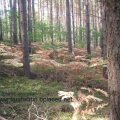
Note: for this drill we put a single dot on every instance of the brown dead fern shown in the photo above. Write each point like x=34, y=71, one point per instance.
x=92, y=103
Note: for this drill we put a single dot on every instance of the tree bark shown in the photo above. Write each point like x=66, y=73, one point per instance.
x=95, y=27
x=73, y=23
x=68, y=23
x=80, y=31
x=26, y=65
x=1, y=37
x=88, y=27
x=104, y=34
x=113, y=52
x=15, y=23
x=29, y=24
x=11, y=22
x=6, y=21
x=33, y=13
x=19, y=12
x=51, y=21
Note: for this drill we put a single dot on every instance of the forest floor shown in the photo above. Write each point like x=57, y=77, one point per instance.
x=53, y=70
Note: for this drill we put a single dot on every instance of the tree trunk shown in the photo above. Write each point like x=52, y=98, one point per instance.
x=60, y=12
x=88, y=27
x=33, y=13
x=11, y=21
x=73, y=22
x=93, y=21
x=1, y=37
x=113, y=52
x=80, y=31
x=6, y=21
x=24, y=36
x=29, y=24
x=83, y=21
x=51, y=20
x=96, y=26
x=19, y=12
x=57, y=19
x=104, y=35
x=15, y=23
x=68, y=22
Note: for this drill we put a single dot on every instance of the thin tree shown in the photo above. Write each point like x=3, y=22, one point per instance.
x=51, y=21
x=57, y=18
x=73, y=22
x=33, y=16
x=19, y=20
x=6, y=20
x=1, y=36
x=15, y=41
x=103, y=33
x=11, y=21
x=88, y=27
x=29, y=24
x=96, y=24
x=93, y=20
x=80, y=11
x=26, y=65
x=68, y=23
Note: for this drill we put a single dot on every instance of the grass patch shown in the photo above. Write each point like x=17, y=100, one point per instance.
x=23, y=87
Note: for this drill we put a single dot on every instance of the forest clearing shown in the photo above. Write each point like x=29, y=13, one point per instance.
x=59, y=59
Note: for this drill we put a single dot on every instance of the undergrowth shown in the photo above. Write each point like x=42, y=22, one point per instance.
x=22, y=87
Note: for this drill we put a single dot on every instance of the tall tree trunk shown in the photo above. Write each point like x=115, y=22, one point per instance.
x=11, y=21
x=83, y=22
x=93, y=21
x=19, y=20
x=29, y=24
x=6, y=20
x=73, y=22
x=60, y=10
x=26, y=65
x=76, y=26
x=113, y=52
x=57, y=13
x=96, y=24
x=1, y=37
x=57, y=18
x=41, y=20
x=80, y=31
x=68, y=23
x=51, y=20
x=15, y=23
x=88, y=27
x=104, y=34
x=33, y=13
x=103, y=39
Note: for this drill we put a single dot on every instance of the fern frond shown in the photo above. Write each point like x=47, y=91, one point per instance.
x=102, y=91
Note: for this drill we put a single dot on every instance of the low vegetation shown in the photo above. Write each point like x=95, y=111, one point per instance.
x=50, y=75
